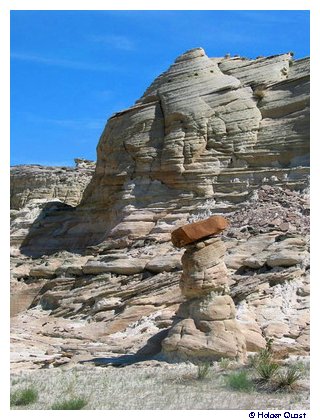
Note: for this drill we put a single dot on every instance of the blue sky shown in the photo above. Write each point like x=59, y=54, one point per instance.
x=71, y=70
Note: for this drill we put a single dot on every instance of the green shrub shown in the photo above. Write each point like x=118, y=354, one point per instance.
x=265, y=355
x=24, y=396
x=264, y=363
x=252, y=360
x=262, y=357
x=15, y=381
x=287, y=378
x=269, y=342
x=224, y=363
x=73, y=404
x=267, y=369
x=239, y=381
x=203, y=370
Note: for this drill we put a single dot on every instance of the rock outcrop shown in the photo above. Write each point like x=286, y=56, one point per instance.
x=37, y=182
x=206, y=328
x=206, y=128
x=210, y=136
x=38, y=191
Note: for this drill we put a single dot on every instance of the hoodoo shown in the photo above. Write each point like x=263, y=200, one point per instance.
x=205, y=328
x=109, y=257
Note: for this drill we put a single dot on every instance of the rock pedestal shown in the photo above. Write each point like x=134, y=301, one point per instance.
x=206, y=328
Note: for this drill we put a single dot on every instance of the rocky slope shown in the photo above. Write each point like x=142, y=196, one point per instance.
x=209, y=136
x=36, y=182
x=35, y=190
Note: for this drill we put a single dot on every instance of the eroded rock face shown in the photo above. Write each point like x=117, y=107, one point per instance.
x=209, y=137
x=206, y=328
x=38, y=191
x=37, y=182
x=199, y=127
x=204, y=129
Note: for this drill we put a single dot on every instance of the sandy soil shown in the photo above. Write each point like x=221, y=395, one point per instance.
x=152, y=385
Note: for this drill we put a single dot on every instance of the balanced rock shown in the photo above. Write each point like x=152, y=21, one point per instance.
x=224, y=135
x=206, y=328
x=192, y=232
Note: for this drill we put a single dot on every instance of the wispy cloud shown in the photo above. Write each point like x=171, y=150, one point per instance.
x=88, y=123
x=105, y=94
x=118, y=42
x=67, y=123
x=61, y=62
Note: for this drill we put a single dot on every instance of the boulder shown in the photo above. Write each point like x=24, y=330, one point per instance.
x=192, y=232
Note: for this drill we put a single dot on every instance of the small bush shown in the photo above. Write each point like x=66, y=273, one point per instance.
x=239, y=381
x=287, y=379
x=24, y=397
x=224, y=363
x=252, y=360
x=265, y=355
x=267, y=369
x=259, y=93
x=264, y=364
x=73, y=404
x=203, y=370
x=15, y=382
x=269, y=342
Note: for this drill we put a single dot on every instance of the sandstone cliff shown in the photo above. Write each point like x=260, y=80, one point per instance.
x=209, y=136
x=205, y=128
x=37, y=190
x=36, y=182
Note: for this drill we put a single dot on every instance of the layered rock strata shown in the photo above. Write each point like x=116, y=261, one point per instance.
x=37, y=192
x=38, y=182
x=207, y=128
x=210, y=136
x=90, y=306
x=206, y=328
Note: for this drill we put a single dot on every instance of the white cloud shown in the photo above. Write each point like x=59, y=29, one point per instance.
x=119, y=42
x=61, y=62
x=68, y=123
x=88, y=123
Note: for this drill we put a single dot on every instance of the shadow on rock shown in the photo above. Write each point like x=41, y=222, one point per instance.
x=150, y=351
x=61, y=227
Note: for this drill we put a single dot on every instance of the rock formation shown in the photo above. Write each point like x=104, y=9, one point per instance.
x=210, y=136
x=190, y=233
x=37, y=182
x=206, y=328
x=37, y=191
x=206, y=128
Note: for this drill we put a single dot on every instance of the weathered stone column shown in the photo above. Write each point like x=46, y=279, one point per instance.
x=206, y=328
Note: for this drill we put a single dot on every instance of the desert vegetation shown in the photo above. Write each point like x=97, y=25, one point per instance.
x=24, y=396
x=259, y=93
x=161, y=385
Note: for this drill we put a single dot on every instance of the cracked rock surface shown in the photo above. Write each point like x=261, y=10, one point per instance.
x=93, y=268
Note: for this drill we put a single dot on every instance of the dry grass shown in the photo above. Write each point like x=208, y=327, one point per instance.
x=259, y=93
x=140, y=387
